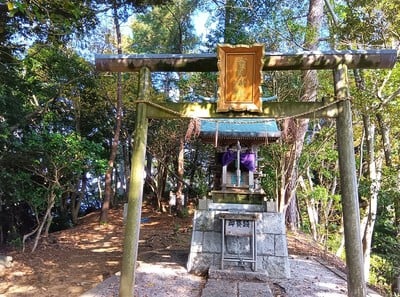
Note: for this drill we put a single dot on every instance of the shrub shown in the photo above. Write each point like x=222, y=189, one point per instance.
x=381, y=272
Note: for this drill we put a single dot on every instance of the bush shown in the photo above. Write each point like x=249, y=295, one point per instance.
x=382, y=272
x=61, y=221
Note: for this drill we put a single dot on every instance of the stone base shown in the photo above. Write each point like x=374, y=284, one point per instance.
x=206, y=244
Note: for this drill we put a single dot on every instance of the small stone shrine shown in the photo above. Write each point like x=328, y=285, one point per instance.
x=237, y=227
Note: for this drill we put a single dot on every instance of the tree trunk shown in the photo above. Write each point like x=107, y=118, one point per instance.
x=194, y=162
x=384, y=128
x=397, y=207
x=180, y=172
x=99, y=188
x=114, y=145
x=80, y=193
x=48, y=224
x=374, y=170
x=42, y=223
x=340, y=249
x=127, y=164
x=313, y=217
x=295, y=130
x=312, y=212
x=161, y=181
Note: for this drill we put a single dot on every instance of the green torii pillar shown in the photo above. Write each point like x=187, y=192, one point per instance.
x=356, y=284
x=338, y=61
x=132, y=227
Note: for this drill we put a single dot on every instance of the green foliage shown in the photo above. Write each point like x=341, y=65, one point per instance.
x=270, y=166
x=319, y=193
x=277, y=24
x=54, y=151
x=199, y=87
x=327, y=208
x=61, y=221
x=296, y=30
x=48, y=165
x=382, y=272
x=16, y=242
x=319, y=203
x=54, y=20
x=320, y=153
x=198, y=159
x=385, y=261
x=183, y=213
x=166, y=28
x=369, y=23
x=334, y=240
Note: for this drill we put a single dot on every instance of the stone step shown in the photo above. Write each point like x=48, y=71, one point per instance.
x=236, y=273
x=233, y=288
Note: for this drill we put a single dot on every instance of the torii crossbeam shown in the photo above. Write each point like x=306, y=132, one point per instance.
x=367, y=59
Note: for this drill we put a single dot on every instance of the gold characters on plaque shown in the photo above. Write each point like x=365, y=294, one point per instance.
x=241, y=79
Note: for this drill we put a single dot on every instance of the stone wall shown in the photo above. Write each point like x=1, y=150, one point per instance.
x=206, y=245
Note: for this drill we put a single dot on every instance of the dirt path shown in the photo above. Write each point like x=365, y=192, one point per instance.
x=73, y=261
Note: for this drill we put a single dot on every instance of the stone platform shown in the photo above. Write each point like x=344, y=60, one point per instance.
x=206, y=244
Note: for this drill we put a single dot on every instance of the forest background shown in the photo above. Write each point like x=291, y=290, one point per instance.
x=66, y=130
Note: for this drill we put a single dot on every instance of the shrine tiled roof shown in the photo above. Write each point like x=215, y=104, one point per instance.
x=257, y=129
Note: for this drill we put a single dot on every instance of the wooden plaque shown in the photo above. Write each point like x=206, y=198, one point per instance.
x=240, y=76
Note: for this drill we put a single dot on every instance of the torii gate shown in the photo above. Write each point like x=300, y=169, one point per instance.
x=338, y=61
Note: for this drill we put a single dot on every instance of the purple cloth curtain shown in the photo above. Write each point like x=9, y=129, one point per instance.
x=228, y=157
x=248, y=160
